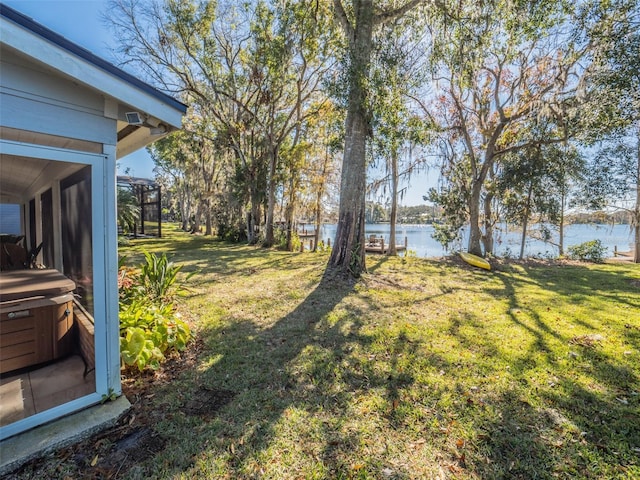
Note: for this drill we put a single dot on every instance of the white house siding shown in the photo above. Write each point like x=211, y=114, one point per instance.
x=37, y=100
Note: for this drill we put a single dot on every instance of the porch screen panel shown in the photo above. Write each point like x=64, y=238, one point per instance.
x=32, y=224
x=151, y=210
x=46, y=202
x=77, y=221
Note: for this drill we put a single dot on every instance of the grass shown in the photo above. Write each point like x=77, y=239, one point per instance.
x=422, y=369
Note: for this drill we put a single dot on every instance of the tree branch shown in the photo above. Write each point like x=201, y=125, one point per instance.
x=342, y=18
x=387, y=16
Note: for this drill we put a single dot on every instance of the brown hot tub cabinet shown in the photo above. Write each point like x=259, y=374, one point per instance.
x=36, y=318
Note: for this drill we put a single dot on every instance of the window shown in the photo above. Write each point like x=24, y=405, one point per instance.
x=10, y=223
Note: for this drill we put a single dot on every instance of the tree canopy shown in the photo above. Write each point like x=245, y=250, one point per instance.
x=294, y=104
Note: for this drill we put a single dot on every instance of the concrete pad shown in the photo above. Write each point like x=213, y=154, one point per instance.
x=16, y=399
x=60, y=383
x=20, y=449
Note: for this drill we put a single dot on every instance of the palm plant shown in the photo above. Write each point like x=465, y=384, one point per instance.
x=128, y=210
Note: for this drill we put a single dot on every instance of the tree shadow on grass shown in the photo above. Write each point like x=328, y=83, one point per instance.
x=585, y=420
x=300, y=370
x=577, y=282
x=573, y=433
x=300, y=365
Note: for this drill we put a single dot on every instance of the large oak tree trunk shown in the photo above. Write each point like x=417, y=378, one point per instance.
x=253, y=218
x=487, y=237
x=208, y=226
x=348, y=254
x=196, y=224
x=185, y=212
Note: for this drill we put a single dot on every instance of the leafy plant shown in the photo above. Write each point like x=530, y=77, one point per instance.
x=156, y=280
x=110, y=396
x=159, y=276
x=591, y=251
x=323, y=247
x=149, y=323
x=147, y=332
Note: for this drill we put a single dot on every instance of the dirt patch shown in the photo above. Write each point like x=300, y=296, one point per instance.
x=139, y=444
x=206, y=402
x=131, y=448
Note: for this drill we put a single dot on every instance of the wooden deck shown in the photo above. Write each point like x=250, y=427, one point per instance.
x=383, y=250
x=378, y=245
x=306, y=233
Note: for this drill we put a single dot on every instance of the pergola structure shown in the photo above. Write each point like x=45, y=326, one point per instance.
x=149, y=197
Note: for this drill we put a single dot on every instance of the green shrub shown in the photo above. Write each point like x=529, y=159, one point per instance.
x=156, y=280
x=123, y=241
x=296, y=242
x=280, y=240
x=591, y=251
x=323, y=247
x=149, y=323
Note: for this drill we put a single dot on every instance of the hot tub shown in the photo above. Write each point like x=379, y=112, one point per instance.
x=36, y=317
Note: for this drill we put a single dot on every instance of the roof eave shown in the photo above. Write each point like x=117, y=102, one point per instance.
x=49, y=48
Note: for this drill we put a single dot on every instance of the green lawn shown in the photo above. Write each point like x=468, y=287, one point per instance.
x=423, y=369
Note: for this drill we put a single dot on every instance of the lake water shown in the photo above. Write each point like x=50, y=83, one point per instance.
x=421, y=242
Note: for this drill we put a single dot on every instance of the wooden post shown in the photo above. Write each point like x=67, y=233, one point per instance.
x=329, y=242
x=382, y=245
x=301, y=246
x=615, y=250
x=159, y=209
x=311, y=244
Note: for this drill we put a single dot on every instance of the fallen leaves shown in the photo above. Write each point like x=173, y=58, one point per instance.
x=590, y=340
x=419, y=443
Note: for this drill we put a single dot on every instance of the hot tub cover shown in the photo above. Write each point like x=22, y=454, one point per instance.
x=20, y=284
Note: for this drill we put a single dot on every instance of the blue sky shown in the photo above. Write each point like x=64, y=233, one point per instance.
x=81, y=22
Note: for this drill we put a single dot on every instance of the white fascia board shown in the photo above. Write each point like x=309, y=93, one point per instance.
x=51, y=55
